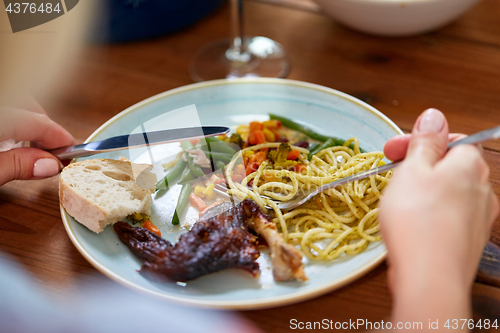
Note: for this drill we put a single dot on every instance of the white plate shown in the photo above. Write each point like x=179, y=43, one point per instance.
x=231, y=103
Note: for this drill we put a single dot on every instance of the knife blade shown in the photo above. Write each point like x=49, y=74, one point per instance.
x=137, y=140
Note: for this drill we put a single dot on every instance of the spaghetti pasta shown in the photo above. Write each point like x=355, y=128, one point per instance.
x=340, y=220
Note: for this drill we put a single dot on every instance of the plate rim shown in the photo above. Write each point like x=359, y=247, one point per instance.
x=294, y=297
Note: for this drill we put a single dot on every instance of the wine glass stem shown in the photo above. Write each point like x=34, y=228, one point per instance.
x=237, y=51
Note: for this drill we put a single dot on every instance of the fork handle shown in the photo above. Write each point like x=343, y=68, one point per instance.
x=492, y=133
x=358, y=176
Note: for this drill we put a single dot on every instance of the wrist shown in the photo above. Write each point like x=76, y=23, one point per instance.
x=429, y=295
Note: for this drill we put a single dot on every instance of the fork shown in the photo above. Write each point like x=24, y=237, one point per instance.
x=298, y=200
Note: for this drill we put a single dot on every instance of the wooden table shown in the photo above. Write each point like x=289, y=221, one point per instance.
x=455, y=69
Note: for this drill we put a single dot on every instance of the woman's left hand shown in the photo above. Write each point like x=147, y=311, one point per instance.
x=43, y=133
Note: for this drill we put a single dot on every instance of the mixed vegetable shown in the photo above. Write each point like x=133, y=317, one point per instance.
x=199, y=159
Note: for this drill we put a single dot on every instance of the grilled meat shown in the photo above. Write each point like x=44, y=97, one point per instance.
x=211, y=245
x=214, y=243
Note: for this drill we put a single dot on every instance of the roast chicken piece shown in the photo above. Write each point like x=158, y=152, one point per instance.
x=214, y=243
x=285, y=258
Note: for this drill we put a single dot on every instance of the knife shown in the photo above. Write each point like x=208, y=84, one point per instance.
x=137, y=140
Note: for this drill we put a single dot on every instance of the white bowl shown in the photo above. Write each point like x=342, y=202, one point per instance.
x=395, y=17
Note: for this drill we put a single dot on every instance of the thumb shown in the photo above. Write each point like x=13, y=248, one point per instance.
x=429, y=138
x=27, y=163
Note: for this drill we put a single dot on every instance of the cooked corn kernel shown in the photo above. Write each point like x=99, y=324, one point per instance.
x=248, y=153
x=243, y=131
x=209, y=192
x=271, y=123
x=199, y=191
x=270, y=137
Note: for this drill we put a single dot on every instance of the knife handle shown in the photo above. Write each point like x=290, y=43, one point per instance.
x=68, y=153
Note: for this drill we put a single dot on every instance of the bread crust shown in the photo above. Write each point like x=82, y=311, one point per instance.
x=82, y=205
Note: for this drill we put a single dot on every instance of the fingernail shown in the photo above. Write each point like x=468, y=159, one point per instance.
x=432, y=121
x=46, y=167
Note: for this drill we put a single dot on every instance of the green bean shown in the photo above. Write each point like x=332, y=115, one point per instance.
x=299, y=128
x=313, y=145
x=195, y=168
x=220, y=146
x=220, y=165
x=328, y=143
x=186, y=176
x=182, y=202
x=172, y=174
x=220, y=156
x=310, y=133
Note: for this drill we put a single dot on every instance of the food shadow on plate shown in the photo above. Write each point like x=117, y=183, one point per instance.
x=226, y=281
x=230, y=280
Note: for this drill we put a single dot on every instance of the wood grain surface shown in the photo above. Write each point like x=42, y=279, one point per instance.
x=455, y=69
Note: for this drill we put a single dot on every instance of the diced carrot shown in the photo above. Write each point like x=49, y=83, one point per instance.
x=259, y=137
x=256, y=126
x=254, y=161
x=260, y=157
x=299, y=168
x=270, y=137
x=197, y=202
x=214, y=179
x=211, y=206
x=237, y=178
x=151, y=227
x=269, y=178
x=252, y=139
x=219, y=180
x=250, y=168
x=293, y=155
x=194, y=142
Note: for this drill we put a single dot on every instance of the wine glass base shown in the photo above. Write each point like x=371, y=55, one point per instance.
x=263, y=58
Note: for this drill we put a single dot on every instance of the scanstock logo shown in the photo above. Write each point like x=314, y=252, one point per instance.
x=24, y=15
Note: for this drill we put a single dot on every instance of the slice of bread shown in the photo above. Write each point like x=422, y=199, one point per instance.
x=99, y=192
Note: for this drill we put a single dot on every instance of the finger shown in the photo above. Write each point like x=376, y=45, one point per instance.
x=466, y=163
x=395, y=148
x=455, y=136
x=429, y=139
x=32, y=105
x=27, y=163
x=24, y=125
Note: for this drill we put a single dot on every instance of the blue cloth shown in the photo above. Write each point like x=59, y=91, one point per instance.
x=108, y=308
x=130, y=20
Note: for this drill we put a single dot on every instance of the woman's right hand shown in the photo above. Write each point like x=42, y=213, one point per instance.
x=436, y=214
